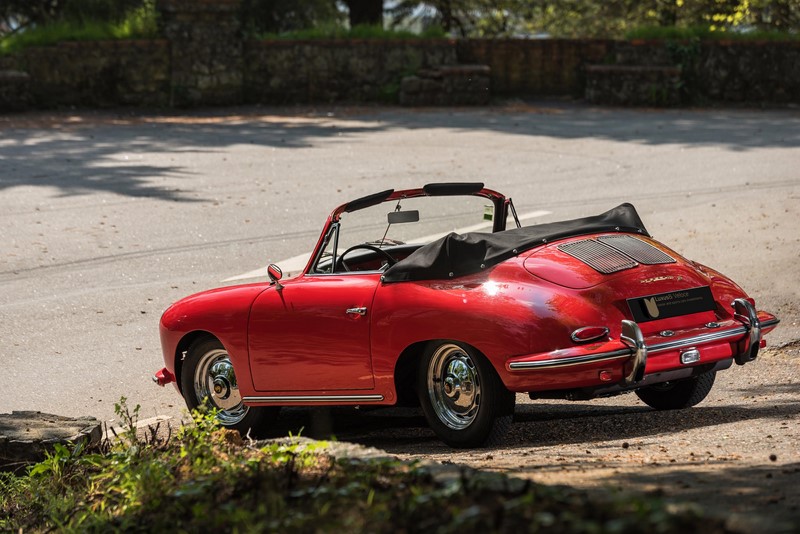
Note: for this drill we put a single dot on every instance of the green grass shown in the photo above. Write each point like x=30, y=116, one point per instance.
x=706, y=33
x=358, y=32
x=140, y=23
x=206, y=479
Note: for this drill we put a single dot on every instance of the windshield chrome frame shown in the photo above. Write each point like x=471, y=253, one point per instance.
x=501, y=204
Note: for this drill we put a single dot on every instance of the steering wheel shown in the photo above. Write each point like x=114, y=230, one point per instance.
x=340, y=260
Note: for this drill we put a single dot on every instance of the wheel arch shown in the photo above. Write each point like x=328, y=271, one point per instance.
x=183, y=346
x=408, y=362
x=405, y=372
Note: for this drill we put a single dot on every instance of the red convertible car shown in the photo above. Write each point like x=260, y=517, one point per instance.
x=395, y=307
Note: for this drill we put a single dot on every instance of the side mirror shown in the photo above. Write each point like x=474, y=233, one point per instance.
x=275, y=274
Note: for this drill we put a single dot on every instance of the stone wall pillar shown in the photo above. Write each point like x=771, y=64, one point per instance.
x=206, y=51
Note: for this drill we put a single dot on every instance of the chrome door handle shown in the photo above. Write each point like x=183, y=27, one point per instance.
x=358, y=311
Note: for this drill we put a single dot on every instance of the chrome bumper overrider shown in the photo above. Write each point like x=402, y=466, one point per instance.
x=632, y=337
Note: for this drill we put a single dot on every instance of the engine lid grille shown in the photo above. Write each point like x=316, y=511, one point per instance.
x=612, y=253
x=637, y=249
x=600, y=257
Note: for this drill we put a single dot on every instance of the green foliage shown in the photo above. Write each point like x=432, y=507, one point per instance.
x=332, y=31
x=279, y=16
x=139, y=23
x=703, y=32
x=205, y=479
x=389, y=93
x=114, y=11
x=586, y=18
x=21, y=15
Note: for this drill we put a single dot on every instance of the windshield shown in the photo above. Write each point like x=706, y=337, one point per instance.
x=437, y=216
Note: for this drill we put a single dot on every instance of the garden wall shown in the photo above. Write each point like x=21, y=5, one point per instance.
x=282, y=72
x=524, y=67
x=107, y=73
x=203, y=60
x=724, y=71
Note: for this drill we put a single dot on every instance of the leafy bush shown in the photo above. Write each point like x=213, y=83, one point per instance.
x=333, y=31
x=705, y=32
x=206, y=478
x=138, y=23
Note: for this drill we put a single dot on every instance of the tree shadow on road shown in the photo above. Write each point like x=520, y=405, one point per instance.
x=104, y=153
x=83, y=153
x=765, y=497
x=404, y=430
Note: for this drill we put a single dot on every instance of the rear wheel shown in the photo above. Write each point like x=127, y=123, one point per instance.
x=207, y=375
x=678, y=394
x=464, y=400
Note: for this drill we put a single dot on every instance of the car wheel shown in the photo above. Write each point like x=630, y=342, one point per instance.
x=678, y=394
x=207, y=375
x=464, y=400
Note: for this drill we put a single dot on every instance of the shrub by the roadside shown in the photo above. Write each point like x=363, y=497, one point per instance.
x=206, y=478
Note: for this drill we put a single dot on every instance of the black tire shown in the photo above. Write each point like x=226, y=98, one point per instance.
x=463, y=398
x=207, y=375
x=678, y=394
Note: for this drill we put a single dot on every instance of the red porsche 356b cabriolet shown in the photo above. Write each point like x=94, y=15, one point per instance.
x=394, y=307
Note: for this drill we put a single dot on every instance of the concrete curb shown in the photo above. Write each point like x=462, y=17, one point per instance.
x=26, y=437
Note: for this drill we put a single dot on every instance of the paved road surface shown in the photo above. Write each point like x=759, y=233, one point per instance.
x=107, y=218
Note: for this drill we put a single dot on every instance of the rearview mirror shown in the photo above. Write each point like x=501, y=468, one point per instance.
x=399, y=217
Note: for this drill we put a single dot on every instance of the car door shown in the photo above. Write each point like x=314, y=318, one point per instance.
x=313, y=334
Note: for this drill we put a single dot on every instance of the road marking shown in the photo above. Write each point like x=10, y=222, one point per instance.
x=296, y=264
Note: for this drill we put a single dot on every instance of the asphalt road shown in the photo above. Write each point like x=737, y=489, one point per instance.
x=107, y=218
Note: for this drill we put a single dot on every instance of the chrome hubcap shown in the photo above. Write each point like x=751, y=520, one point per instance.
x=454, y=386
x=215, y=380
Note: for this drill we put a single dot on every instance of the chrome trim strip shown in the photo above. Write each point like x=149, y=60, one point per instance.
x=696, y=340
x=315, y=398
x=770, y=322
x=623, y=353
x=573, y=360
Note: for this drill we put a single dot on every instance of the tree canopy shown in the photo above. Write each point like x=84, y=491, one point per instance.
x=589, y=18
x=19, y=14
x=465, y=18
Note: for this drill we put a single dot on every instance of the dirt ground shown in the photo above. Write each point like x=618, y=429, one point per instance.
x=735, y=455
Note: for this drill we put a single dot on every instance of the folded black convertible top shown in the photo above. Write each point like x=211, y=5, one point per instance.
x=457, y=255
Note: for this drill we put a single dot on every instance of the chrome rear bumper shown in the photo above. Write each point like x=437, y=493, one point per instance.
x=747, y=336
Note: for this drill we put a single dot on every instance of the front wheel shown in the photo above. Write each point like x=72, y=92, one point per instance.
x=464, y=400
x=207, y=375
x=678, y=394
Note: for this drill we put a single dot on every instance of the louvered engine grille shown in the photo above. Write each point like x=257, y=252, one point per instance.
x=637, y=249
x=600, y=257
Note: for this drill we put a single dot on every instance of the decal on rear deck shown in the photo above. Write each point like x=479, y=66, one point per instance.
x=672, y=304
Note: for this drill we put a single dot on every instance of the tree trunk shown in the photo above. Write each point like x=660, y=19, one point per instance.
x=365, y=12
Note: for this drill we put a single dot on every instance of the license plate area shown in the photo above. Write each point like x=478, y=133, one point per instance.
x=671, y=304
